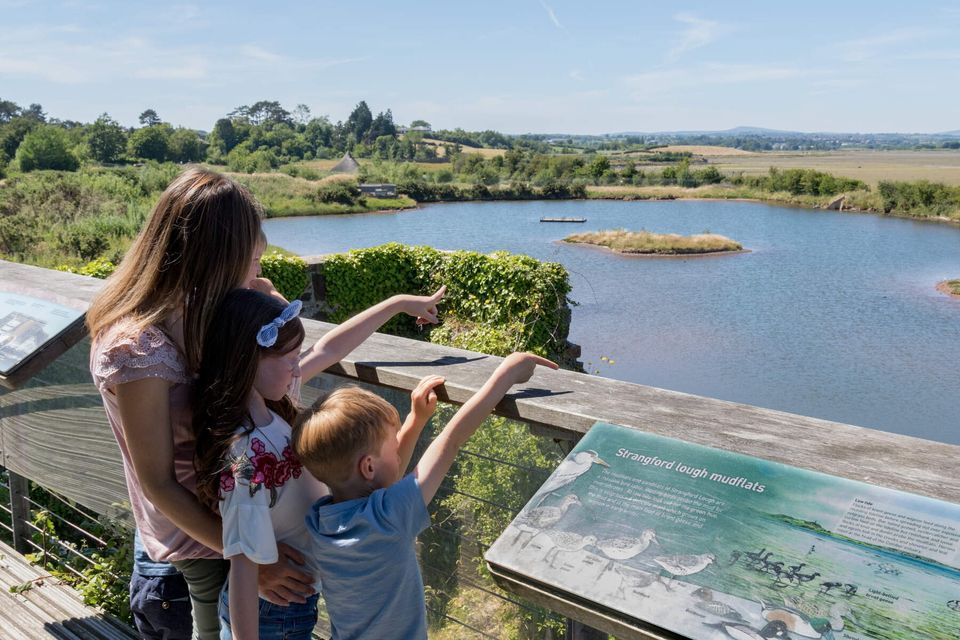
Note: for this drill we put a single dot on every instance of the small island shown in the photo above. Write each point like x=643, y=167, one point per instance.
x=950, y=287
x=657, y=244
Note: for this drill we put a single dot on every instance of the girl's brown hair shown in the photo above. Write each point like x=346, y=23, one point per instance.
x=196, y=247
x=228, y=369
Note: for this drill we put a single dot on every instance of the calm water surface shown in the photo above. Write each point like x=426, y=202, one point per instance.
x=830, y=315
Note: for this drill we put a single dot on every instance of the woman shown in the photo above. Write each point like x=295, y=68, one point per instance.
x=148, y=327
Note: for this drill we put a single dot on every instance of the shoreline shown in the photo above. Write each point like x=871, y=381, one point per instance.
x=637, y=254
x=644, y=197
x=944, y=288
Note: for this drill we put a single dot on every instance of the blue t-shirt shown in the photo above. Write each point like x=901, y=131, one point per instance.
x=364, y=553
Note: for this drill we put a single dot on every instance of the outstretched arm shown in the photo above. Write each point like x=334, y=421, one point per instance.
x=343, y=339
x=423, y=402
x=439, y=456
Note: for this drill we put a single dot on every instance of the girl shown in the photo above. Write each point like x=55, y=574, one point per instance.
x=148, y=327
x=250, y=373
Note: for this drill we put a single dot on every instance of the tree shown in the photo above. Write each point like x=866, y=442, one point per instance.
x=150, y=143
x=420, y=123
x=8, y=110
x=359, y=121
x=301, y=114
x=223, y=138
x=262, y=112
x=319, y=133
x=12, y=134
x=34, y=112
x=106, y=139
x=184, y=146
x=46, y=147
x=149, y=118
x=599, y=166
x=382, y=125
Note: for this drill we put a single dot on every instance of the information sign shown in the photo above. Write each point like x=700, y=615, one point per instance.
x=709, y=544
x=28, y=325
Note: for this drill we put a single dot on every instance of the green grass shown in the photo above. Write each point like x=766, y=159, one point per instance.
x=645, y=242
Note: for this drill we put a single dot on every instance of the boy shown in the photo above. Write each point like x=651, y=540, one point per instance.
x=364, y=533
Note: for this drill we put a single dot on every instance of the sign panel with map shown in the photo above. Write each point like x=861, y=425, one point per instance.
x=709, y=544
x=27, y=325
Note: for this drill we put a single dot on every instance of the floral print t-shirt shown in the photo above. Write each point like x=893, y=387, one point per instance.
x=265, y=494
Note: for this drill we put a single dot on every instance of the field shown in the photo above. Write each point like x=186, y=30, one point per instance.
x=484, y=153
x=863, y=164
x=705, y=150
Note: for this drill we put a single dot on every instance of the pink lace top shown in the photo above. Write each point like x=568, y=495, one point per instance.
x=120, y=354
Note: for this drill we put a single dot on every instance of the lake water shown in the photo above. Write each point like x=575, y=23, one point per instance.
x=832, y=315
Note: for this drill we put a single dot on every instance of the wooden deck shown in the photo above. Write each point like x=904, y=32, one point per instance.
x=48, y=608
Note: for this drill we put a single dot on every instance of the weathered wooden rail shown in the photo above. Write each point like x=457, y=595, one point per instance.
x=55, y=433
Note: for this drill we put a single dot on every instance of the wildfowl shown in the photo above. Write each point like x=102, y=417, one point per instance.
x=626, y=547
x=804, y=625
x=775, y=629
x=720, y=609
x=569, y=470
x=633, y=578
x=685, y=565
x=532, y=521
x=566, y=542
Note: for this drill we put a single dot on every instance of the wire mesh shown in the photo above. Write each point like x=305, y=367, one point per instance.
x=462, y=588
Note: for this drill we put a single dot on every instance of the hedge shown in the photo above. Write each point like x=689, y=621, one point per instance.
x=499, y=301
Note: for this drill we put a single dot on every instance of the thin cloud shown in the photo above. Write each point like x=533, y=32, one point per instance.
x=326, y=63
x=862, y=49
x=698, y=33
x=551, y=14
x=259, y=53
x=576, y=74
x=656, y=83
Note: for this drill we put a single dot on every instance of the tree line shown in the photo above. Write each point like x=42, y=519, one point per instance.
x=256, y=137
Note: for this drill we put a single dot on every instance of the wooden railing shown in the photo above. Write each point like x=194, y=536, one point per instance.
x=54, y=431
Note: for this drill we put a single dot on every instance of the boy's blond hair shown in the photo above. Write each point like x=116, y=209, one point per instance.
x=339, y=427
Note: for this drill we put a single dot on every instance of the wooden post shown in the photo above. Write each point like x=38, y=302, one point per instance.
x=579, y=631
x=19, y=511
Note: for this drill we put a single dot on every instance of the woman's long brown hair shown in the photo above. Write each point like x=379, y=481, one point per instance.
x=196, y=246
x=228, y=369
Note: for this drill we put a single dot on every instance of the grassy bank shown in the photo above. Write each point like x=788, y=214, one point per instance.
x=647, y=243
x=950, y=287
x=283, y=195
x=51, y=218
x=859, y=200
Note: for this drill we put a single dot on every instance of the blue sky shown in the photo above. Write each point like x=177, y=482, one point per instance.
x=517, y=66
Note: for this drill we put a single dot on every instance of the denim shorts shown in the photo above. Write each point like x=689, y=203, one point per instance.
x=293, y=622
x=161, y=606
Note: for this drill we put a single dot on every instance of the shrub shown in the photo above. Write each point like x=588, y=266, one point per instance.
x=288, y=274
x=46, y=147
x=339, y=191
x=99, y=268
x=523, y=298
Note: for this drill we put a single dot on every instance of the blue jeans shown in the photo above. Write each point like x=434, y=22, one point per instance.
x=159, y=599
x=161, y=606
x=294, y=622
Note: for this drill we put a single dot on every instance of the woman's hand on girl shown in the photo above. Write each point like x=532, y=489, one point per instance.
x=282, y=582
